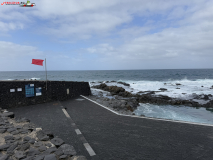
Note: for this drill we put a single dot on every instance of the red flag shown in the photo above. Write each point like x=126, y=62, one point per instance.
x=37, y=62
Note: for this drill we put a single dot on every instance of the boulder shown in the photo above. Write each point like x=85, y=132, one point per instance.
x=39, y=157
x=24, y=147
x=32, y=141
x=59, y=152
x=9, y=138
x=12, y=147
x=163, y=89
x=50, y=157
x=20, y=155
x=127, y=94
x=57, y=141
x=2, y=130
x=27, y=138
x=51, y=150
x=32, y=152
x=48, y=144
x=42, y=148
x=45, y=138
x=11, y=129
x=41, y=135
x=4, y=147
x=15, y=132
x=68, y=149
x=195, y=96
x=102, y=86
x=63, y=157
x=125, y=84
x=4, y=157
x=206, y=97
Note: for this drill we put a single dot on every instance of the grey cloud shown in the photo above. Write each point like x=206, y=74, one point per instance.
x=9, y=49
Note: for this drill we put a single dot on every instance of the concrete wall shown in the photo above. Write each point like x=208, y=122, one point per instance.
x=56, y=90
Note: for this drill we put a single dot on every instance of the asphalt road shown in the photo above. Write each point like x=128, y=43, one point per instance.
x=114, y=137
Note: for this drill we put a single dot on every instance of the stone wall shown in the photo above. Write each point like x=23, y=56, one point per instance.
x=56, y=90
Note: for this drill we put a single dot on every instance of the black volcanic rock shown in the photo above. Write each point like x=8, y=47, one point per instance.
x=4, y=147
x=51, y=150
x=20, y=155
x=7, y=114
x=57, y=141
x=12, y=147
x=50, y=157
x=32, y=152
x=125, y=84
x=2, y=130
x=68, y=149
x=163, y=89
x=41, y=135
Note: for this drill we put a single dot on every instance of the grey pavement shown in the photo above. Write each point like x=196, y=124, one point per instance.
x=50, y=116
x=114, y=137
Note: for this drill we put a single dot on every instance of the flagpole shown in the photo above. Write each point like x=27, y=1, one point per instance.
x=46, y=72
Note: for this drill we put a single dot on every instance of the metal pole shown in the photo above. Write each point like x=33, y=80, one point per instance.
x=46, y=72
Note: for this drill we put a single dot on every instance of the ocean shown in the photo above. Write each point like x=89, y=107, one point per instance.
x=193, y=81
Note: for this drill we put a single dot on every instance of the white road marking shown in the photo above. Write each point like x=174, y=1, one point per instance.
x=86, y=145
x=66, y=114
x=201, y=124
x=77, y=131
x=89, y=149
x=100, y=105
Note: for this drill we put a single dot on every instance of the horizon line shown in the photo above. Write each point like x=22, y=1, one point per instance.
x=110, y=70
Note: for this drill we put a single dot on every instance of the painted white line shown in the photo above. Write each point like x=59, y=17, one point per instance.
x=77, y=131
x=157, y=119
x=100, y=105
x=89, y=149
x=66, y=114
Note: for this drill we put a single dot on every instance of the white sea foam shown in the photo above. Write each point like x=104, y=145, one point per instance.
x=187, y=87
x=34, y=78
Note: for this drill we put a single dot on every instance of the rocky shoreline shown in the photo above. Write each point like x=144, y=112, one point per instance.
x=22, y=140
x=125, y=101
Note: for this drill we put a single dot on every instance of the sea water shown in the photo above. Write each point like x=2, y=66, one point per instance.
x=193, y=81
x=180, y=113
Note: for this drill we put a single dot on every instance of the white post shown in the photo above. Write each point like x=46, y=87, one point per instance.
x=46, y=72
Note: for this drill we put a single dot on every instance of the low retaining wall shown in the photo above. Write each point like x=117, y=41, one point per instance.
x=23, y=93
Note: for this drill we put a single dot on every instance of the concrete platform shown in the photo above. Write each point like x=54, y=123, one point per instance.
x=114, y=137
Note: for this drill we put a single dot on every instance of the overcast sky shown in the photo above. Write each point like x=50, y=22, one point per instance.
x=107, y=34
